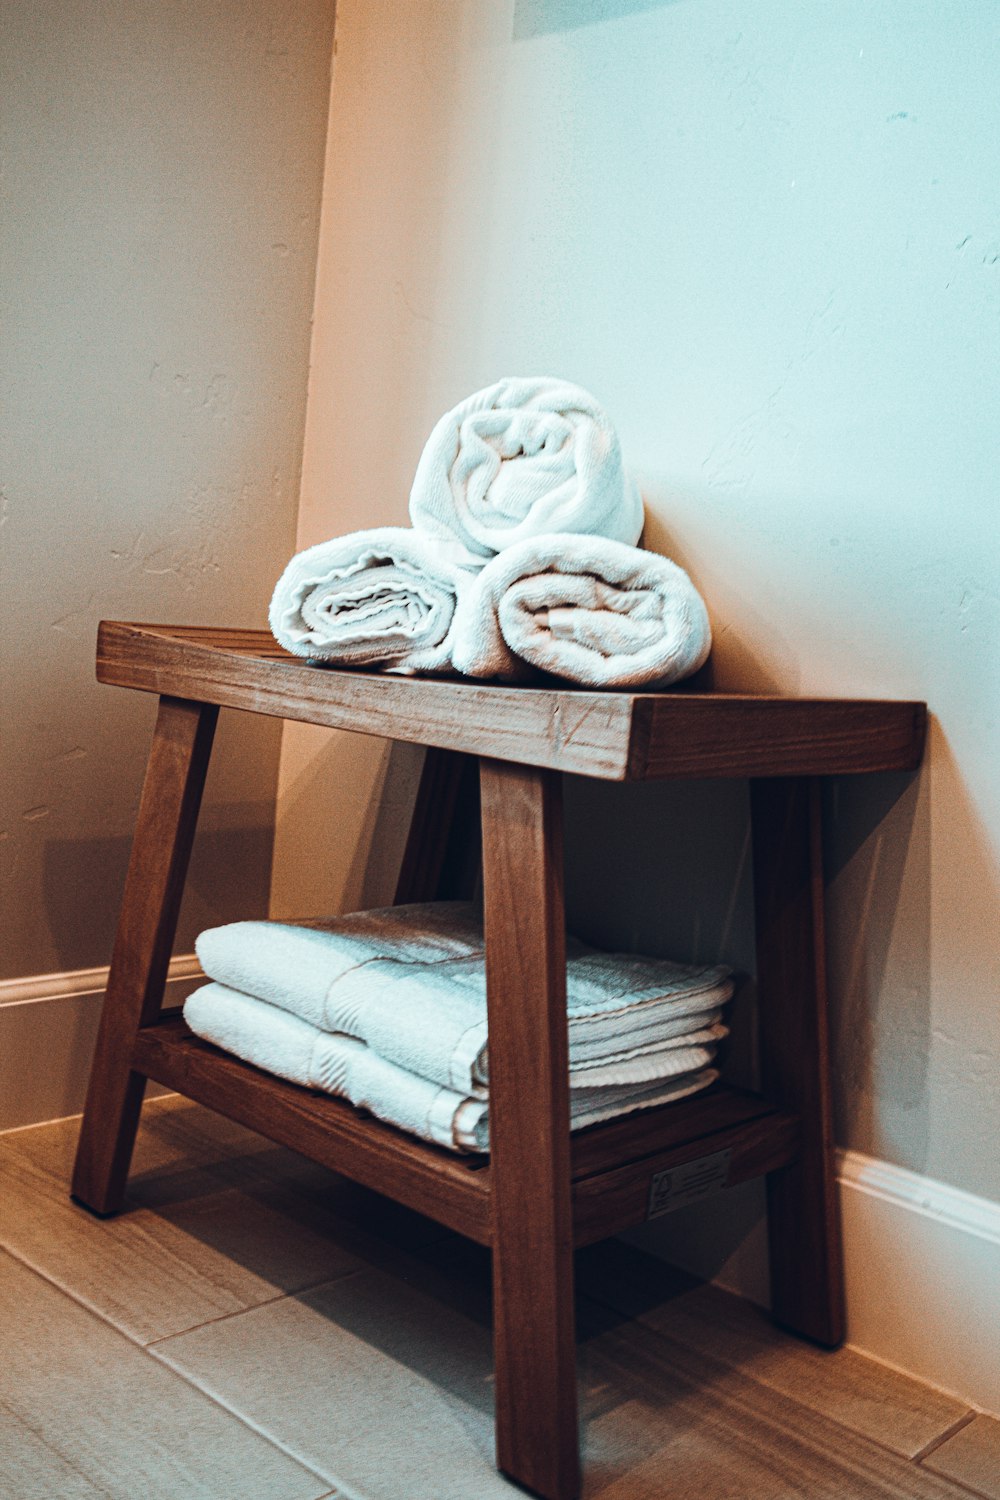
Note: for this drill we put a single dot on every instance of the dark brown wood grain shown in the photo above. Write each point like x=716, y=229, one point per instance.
x=611, y=735
x=632, y=1137
x=585, y=732
x=533, y=1324
x=168, y=812
x=726, y=734
x=807, y=1274
x=452, y=1189
x=618, y=1199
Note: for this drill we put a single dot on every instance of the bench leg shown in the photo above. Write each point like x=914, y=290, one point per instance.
x=168, y=811
x=807, y=1277
x=533, y=1325
x=441, y=857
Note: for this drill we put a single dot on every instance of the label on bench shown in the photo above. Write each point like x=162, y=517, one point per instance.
x=688, y=1183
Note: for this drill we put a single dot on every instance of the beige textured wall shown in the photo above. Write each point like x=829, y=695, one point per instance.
x=162, y=165
x=767, y=238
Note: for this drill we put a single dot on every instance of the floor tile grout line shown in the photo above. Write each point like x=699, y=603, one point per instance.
x=140, y=1343
x=95, y=1312
x=64, y=1458
x=238, y=1312
x=942, y=1437
x=179, y=1333
x=953, y=1486
x=853, y=1432
x=655, y=1334
x=958, y=1484
x=164, y=1364
x=238, y=1416
x=340, y=1490
x=595, y=1298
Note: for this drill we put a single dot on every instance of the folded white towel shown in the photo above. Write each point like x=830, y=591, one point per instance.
x=383, y=597
x=295, y=964
x=410, y=981
x=283, y=1044
x=524, y=456
x=596, y=612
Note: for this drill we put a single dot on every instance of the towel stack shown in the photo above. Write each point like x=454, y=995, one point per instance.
x=521, y=556
x=388, y=1009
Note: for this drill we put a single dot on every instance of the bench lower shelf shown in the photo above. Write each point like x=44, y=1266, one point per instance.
x=614, y=1164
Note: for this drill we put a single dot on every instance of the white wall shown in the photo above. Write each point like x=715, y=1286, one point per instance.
x=768, y=238
x=162, y=166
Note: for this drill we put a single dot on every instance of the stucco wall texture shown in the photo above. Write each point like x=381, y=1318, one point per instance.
x=768, y=238
x=162, y=166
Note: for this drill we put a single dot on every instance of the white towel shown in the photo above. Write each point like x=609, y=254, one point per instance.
x=596, y=612
x=384, y=597
x=295, y=965
x=410, y=981
x=283, y=1044
x=524, y=456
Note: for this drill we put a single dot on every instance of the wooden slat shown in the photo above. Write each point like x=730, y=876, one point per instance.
x=533, y=1322
x=617, y=1199
x=807, y=1274
x=725, y=734
x=583, y=732
x=600, y=1148
x=427, y=1178
x=614, y=736
x=168, y=812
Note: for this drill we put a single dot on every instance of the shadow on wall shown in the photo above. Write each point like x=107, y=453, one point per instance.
x=540, y=17
x=664, y=868
x=382, y=347
x=771, y=666
x=906, y=961
x=353, y=860
x=228, y=880
x=877, y=869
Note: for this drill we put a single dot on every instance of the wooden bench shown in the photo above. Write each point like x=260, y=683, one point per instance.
x=541, y=1192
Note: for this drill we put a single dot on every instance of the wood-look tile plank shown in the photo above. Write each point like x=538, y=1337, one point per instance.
x=374, y=1383
x=865, y=1397
x=670, y=1424
x=383, y=1382
x=217, y=1220
x=32, y=1470
x=101, y=1412
x=972, y=1456
x=607, y=734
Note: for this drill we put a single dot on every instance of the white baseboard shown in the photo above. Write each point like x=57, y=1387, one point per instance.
x=48, y=1025
x=922, y=1268
x=923, y=1277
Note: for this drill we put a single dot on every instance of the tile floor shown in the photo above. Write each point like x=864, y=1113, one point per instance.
x=254, y=1327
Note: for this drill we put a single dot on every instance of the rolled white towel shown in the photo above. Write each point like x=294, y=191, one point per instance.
x=524, y=456
x=594, y=611
x=283, y=1044
x=383, y=597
